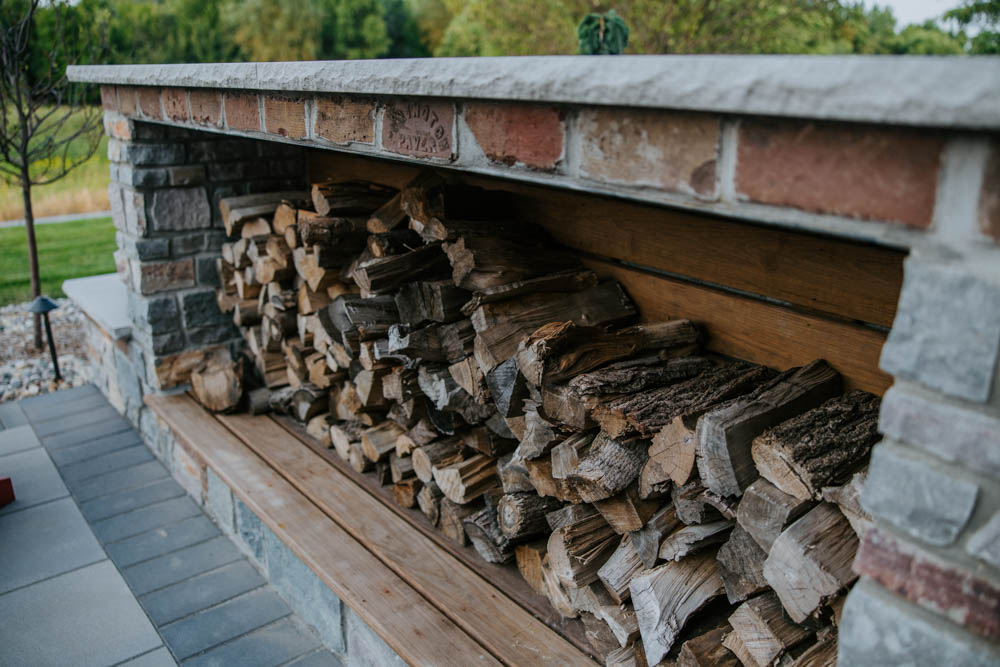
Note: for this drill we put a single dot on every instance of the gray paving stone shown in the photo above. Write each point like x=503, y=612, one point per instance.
x=178, y=565
x=44, y=541
x=105, y=463
x=64, y=408
x=119, y=480
x=227, y=621
x=18, y=439
x=34, y=477
x=86, y=433
x=162, y=540
x=11, y=415
x=132, y=499
x=192, y=595
x=271, y=645
x=59, y=397
x=159, y=658
x=84, y=617
x=52, y=426
x=123, y=526
x=321, y=658
x=94, y=448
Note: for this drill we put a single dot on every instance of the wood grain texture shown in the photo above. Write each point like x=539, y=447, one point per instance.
x=503, y=627
x=413, y=627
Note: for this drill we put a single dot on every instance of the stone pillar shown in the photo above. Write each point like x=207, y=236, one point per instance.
x=165, y=187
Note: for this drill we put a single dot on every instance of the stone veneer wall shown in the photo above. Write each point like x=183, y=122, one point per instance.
x=929, y=592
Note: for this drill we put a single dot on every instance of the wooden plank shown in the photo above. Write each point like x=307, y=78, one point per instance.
x=506, y=577
x=493, y=619
x=847, y=279
x=756, y=331
x=415, y=629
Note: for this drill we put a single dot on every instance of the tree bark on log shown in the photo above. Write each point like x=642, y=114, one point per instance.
x=522, y=515
x=765, y=511
x=741, y=566
x=609, y=467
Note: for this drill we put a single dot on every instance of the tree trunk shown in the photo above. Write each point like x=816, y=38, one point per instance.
x=29, y=227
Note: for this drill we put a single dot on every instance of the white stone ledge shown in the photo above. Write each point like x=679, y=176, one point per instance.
x=104, y=300
x=942, y=91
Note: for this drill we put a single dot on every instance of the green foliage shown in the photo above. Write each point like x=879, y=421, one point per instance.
x=983, y=15
x=602, y=34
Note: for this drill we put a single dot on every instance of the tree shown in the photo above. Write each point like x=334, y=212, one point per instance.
x=43, y=122
x=984, y=15
x=602, y=34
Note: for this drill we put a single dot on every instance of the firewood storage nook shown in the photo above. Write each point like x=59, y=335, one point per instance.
x=634, y=360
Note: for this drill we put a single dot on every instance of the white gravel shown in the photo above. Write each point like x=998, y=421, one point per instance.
x=25, y=371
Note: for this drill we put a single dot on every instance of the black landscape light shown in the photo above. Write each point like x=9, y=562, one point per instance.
x=43, y=305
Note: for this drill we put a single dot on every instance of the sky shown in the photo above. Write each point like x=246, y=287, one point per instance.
x=915, y=11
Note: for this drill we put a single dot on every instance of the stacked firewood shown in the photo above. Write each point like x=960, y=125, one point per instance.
x=689, y=509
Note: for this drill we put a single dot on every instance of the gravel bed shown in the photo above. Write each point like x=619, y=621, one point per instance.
x=26, y=371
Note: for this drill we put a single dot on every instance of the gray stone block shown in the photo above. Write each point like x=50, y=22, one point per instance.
x=142, y=154
x=140, y=177
x=219, y=501
x=189, y=175
x=147, y=249
x=364, y=647
x=984, y=544
x=135, y=212
x=129, y=384
x=188, y=244
x=34, y=477
x=147, y=131
x=176, y=209
x=950, y=432
x=117, y=205
x=214, y=241
x=225, y=149
x=206, y=272
x=946, y=335
x=905, y=489
x=305, y=592
x=157, y=314
x=879, y=630
x=201, y=309
x=250, y=530
x=212, y=335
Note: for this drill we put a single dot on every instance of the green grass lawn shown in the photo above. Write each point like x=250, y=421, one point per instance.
x=65, y=250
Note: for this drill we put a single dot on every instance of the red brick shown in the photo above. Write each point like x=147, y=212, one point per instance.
x=149, y=102
x=242, y=112
x=175, y=104
x=127, y=102
x=926, y=580
x=859, y=171
x=419, y=128
x=159, y=276
x=285, y=116
x=119, y=128
x=517, y=133
x=989, y=198
x=668, y=150
x=206, y=106
x=345, y=120
x=109, y=99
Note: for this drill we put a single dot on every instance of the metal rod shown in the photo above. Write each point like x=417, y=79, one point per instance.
x=52, y=346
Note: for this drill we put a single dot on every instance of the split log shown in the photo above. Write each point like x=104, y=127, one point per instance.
x=821, y=654
x=734, y=645
x=437, y=454
x=480, y=262
x=513, y=474
x=562, y=406
x=418, y=435
x=404, y=492
x=381, y=276
x=529, y=559
x=666, y=597
x=579, y=548
x=357, y=459
x=486, y=441
x=810, y=562
x=483, y=530
x=469, y=377
x=401, y=384
x=259, y=401
x=603, y=643
x=707, y=650
x=848, y=498
x=567, y=454
x=637, y=375
x=350, y=197
x=237, y=210
x=445, y=394
x=343, y=434
x=544, y=484
x=281, y=400
x=422, y=302
x=822, y=447
x=507, y=387
x=246, y=313
x=319, y=428
x=452, y=516
x=671, y=459
x=626, y=511
x=429, y=501
x=434, y=205
x=379, y=442
x=396, y=242
x=218, y=383
x=469, y=479
x=368, y=384
x=763, y=630
x=574, y=280
x=741, y=566
x=370, y=317
x=285, y=216
x=609, y=467
x=522, y=515
x=556, y=592
x=620, y=618
x=501, y=326
x=691, y=539
x=308, y=401
x=765, y=511
x=646, y=542
x=725, y=434
x=691, y=506
x=401, y=468
x=618, y=570
x=255, y=227
x=387, y=217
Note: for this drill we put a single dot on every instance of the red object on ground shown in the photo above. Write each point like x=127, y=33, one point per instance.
x=6, y=491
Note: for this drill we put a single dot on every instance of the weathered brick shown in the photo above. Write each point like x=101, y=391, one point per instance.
x=946, y=335
x=158, y=276
x=419, y=128
x=517, y=133
x=860, y=171
x=242, y=112
x=879, y=630
x=206, y=107
x=984, y=544
x=175, y=369
x=200, y=309
x=109, y=98
x=189, y=175
x=924, y=502
x=149, y=102
x=285, y=116
x=669, y=150
x=159, y=314
x=135, y=212
x=345, y=120
x=175, y=104
x=149, y=154
x=118, y=127
x=187, y=244
x=989, y=197
x=139, y=177
x=924, y=579
x=166, y=343
x=952, y=433
x=176, y=209
x=128, y=102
